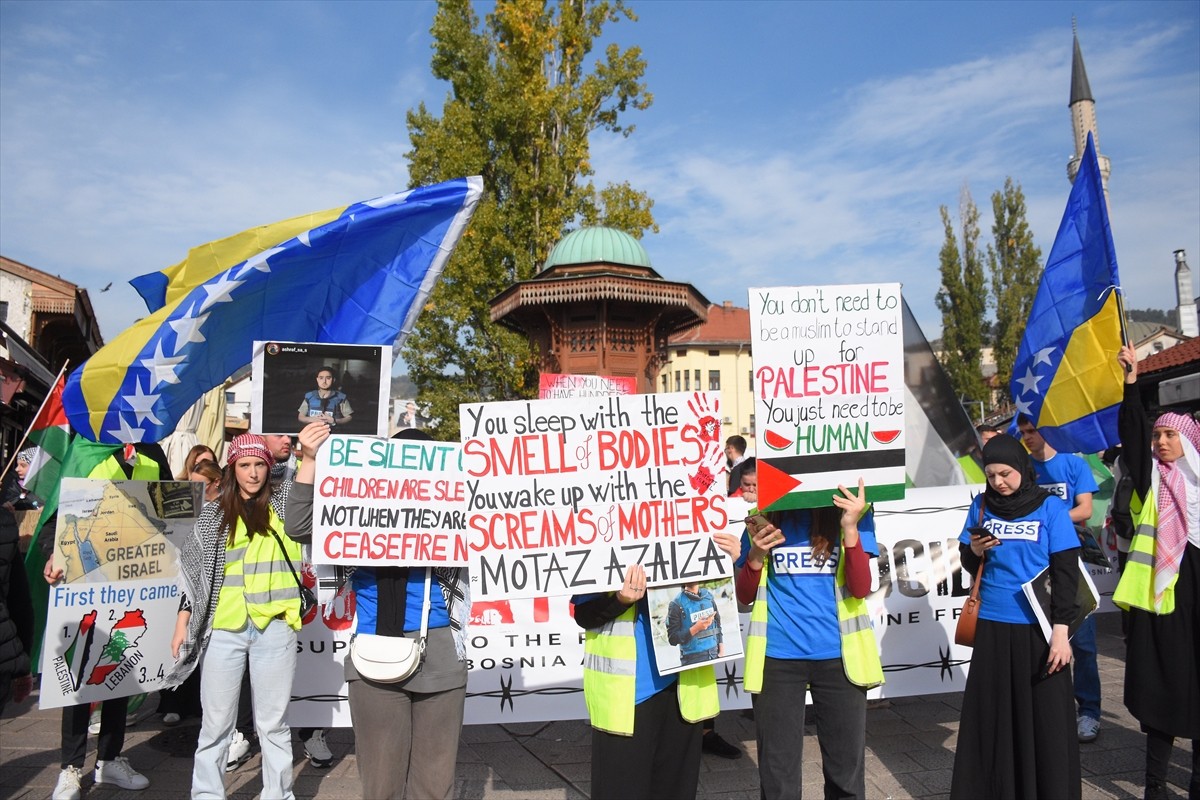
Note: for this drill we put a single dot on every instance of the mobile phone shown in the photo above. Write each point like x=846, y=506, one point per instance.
x=756, y=522
x=983, y=533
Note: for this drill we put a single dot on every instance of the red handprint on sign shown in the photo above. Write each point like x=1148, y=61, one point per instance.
x=707, y=421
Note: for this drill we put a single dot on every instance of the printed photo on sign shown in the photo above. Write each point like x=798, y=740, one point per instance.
x=343, y=385
x=694, y=624
x=110, y=620
x=829, y=392
x=564, y=495
x=389, y=502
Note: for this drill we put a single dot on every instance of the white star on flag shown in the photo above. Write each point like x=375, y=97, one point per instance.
x=1030, y=382
x=1024, y=407
x=219, y=292
x=162, y=367
x=187, y=329
x=259, y=262
x=1043, y=356
x=142, y=405
x=126, y=434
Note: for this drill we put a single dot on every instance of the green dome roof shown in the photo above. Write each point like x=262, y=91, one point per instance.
x=590, y=245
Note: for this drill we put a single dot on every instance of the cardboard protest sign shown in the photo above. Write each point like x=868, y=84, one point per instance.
x=388, y=502
x=110, y=621
x=563, y=495
x=552, y=385
x=828, y=392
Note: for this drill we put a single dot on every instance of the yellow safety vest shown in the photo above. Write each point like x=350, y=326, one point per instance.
x=860, y=651
x=258, y=585
x=610, y=679
x=1136, y=587
x=144, y=469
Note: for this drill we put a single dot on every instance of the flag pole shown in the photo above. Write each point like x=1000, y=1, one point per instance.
x=1124, y=325
x=25, y=436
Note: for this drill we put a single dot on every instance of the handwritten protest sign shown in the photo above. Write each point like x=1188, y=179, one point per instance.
x=110, y=620
x=563, y=495
x=829, y=392
x=388, y=502
x=552, y=385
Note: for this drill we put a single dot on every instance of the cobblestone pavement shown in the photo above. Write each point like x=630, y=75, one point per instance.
x=910, y=753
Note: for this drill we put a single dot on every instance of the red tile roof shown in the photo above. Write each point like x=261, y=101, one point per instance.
x=1186, y=352
x=727, y=324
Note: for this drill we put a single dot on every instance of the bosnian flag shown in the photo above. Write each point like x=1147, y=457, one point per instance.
x=50, y=434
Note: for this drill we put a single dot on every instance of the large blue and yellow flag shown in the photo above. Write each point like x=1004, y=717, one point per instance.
x=358, y=275
x=1066, y=377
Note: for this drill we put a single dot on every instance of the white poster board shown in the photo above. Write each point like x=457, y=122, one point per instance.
x=829, y=391
x=563, y=495
x=110, y=620
x=388, y=502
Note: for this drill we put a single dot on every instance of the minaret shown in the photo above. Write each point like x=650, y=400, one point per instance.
x=1186, y=310
x=1083, y=118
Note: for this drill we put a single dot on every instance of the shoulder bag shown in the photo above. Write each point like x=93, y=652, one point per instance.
x=964, y=632
x=308, y=600
x=391, y=659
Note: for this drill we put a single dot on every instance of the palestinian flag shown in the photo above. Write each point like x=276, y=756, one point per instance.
x=51, y=435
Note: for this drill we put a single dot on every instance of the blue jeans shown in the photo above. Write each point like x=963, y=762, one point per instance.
x=1087, y=673
x=271, y=654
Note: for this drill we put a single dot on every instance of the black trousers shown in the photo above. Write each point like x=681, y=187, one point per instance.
x=75, y=732
x=661, y=759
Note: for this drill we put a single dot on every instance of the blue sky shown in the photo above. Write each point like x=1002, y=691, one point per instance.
x=788, y=143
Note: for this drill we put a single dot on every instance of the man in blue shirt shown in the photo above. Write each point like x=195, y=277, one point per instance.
x=1070, y=478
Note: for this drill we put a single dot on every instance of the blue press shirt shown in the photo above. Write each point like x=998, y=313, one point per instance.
x=802, y=618
x=1026, y=546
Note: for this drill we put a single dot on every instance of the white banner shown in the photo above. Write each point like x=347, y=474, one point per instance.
x=110, y=620
x=527, y=654
x=390, y=502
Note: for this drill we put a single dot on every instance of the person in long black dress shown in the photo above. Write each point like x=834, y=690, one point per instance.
x=1160, y=586
x=1016, y=740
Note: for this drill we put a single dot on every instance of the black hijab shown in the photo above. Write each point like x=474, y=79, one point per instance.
x=1004, y=449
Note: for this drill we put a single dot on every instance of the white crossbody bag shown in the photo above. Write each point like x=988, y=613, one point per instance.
x=391, y=659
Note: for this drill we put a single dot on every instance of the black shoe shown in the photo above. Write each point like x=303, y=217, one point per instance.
x=711, y=742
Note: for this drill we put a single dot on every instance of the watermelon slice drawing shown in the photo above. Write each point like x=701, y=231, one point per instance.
x=885, y=437
x=775, y=441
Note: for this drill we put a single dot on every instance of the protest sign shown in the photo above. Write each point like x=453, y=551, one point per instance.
x=552, y=385
x=110, y=620
x=829, y=392
x=343, y=385
x=388, y=502
x=563, y=495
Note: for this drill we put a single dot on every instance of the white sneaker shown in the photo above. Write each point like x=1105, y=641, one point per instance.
x=171, y=719
x=239, y=751
x=118, y=773
x=68, y=787
x=94, y=722
x=317, y=750
x=1087, y=729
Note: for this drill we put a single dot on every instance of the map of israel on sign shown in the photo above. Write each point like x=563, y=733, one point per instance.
x=110, y=620
x=828, y=392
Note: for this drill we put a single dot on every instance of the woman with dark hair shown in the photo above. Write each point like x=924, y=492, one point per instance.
x=1160, y=586
x=807, y=573
x=198, y=453
x=1017, y=737
x=406, y=733
x=240, y=607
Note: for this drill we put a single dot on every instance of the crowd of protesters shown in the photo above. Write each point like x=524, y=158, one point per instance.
x=804, y=574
